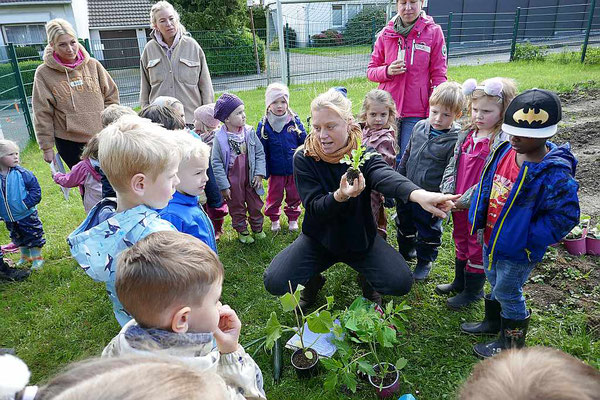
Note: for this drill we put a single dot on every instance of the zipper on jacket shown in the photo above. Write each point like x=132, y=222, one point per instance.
x=528, y=254
x=481, y=180
x=504, y=218
x=4, y=197
x=412, y=52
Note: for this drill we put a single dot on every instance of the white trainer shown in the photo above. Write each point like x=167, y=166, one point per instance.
x=275, y=226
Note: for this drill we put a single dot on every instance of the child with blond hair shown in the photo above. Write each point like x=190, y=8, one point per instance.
x=487, y=104
x=378, y=122
x=281, y=133
x=140, y=160
x=238, y=160
x=183, y=210
x=21, y=193
x=206, y=125
x=428, y=153
x=85, y=174
x=171, y=283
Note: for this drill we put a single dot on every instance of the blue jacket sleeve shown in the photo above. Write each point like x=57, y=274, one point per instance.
x=558, y=214
x=34, y=191
x=175, y=220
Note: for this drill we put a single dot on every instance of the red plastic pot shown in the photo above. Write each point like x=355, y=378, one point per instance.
x=592, y=246
x=389, y=390
x=575, y=247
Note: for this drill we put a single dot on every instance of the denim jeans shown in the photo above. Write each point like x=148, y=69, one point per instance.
x=405, y=128
x=507, y=279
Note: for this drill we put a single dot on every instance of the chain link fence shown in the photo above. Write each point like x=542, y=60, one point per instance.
x=318, y=46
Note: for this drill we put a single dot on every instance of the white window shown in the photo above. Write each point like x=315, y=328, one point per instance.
x=353, y=9
x=337, y=15
x=25, y=34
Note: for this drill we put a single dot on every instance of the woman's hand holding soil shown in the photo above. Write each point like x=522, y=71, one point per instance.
x=436, y=203
x=48, y=155
x=346, y=191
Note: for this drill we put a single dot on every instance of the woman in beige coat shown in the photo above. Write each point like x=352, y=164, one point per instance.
x=70, y=90
x=173, y=64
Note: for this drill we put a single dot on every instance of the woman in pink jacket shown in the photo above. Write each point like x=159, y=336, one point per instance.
x=408, y=61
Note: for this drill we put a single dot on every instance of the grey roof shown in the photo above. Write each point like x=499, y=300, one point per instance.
x=24, y=2
x=121, y=13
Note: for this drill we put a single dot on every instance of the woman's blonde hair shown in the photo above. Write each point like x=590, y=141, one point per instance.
x=132, y=378
x=336, y=102
x=57, y=27
x=165, y=5
x=7, y=147
x=532, y=373
x=381, y=97
x=509, y=91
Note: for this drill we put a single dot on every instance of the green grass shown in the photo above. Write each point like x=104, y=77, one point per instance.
x=333, y=51
x=60, y=315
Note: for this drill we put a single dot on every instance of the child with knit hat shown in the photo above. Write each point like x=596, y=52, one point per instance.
x=206, y=126
x=238, y=161
x=281, y=133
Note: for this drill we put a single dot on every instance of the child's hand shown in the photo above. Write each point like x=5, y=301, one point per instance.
x=226, y=193
x=227, y=334
x=257, y=181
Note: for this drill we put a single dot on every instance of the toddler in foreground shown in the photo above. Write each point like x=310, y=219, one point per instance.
x=171, y=284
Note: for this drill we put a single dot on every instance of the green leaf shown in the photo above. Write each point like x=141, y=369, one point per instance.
x=350, y=381
x=401, y=363
x=398, y=324
x=331, y=381
x=309, y=355
x=329, y=302
x=338, y=331
x=389, y=308
x=366, y=367
x=288, y=302
x=330, y=364
x=273, y=331
x=389, y=337
x=321, y=322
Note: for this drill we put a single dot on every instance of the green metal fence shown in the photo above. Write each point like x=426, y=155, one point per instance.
x=313, y=52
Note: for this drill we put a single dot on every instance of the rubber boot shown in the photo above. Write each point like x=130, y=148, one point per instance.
x=472, y=292
x=311, y=289
x=218, y=225
x=490, y=324
x=36, y=257
x=25, y=256
x=458, y=284
x=406, y=247
x=367, y=290
x=12, y=274
x=512, y=336
x=422, y=270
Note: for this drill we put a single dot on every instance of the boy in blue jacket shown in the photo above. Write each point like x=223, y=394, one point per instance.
x=140, y=160
x=183, y=211
x=526, y=200
x=21, y=192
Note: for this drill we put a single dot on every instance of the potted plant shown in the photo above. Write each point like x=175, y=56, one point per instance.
x=592, y=241
x=359, y=156
x=575, y=240
x=320, y=321
x=361, y=323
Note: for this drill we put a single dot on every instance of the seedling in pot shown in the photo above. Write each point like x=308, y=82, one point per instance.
x=359, y=156
x=319, y=321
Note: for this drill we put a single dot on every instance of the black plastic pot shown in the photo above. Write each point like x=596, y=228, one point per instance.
x=306, y=371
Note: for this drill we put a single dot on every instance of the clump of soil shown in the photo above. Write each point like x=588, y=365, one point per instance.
x=300, y=361
x=351, y=175
x=389, y=378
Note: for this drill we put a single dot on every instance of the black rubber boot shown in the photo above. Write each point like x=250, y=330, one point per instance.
x=490, y=324
x=422, y=270
x=12, y=274
x=311, y=289
x=512, y=336
x=458, y=284
x=472, y=292
x=368, y=292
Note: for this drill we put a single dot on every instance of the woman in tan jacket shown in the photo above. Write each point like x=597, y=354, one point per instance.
x=173, y=64
x=70, y=90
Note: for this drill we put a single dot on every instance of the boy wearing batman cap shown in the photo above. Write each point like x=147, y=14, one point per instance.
x=526, y=200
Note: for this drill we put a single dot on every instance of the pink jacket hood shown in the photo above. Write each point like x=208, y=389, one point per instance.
x=425, y=58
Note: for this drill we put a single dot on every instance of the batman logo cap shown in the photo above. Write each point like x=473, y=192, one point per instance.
x=534, y=113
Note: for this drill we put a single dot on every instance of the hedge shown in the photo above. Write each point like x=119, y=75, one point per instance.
x=230, y=52
x=359, y=29
x=8, y=80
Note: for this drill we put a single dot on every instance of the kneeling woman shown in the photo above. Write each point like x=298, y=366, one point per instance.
x=338, y=224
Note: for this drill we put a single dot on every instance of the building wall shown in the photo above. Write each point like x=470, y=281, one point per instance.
x=35, y=14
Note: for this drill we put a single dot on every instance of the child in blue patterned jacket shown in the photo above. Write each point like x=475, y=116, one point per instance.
x=140, y=159
x=20, y=193
x=525, y=201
